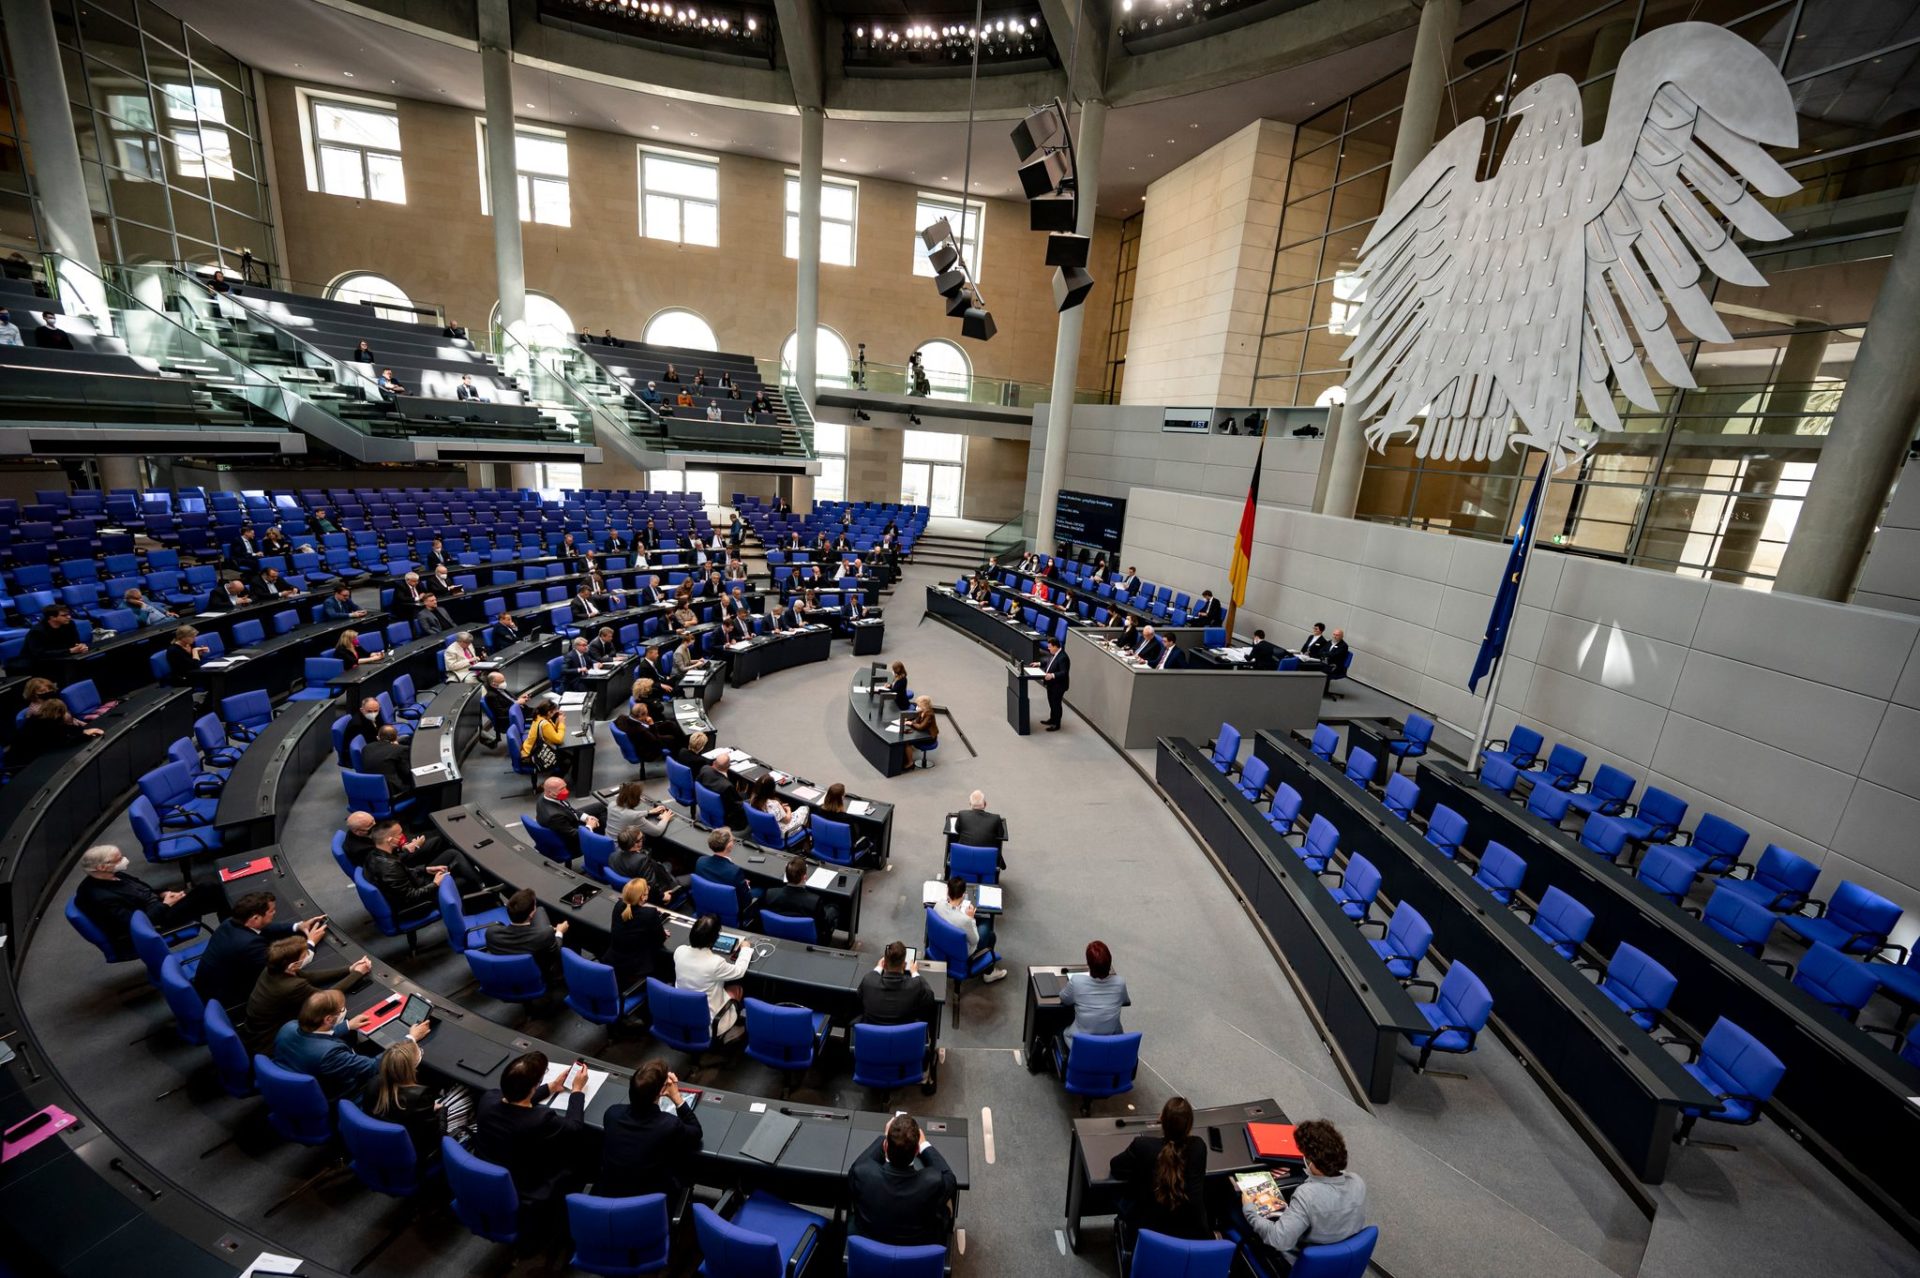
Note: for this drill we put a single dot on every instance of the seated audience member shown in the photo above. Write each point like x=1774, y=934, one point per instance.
x=979, y=828
x=385, y=757
x=648, y=1147
x=922, y=720
x=9, y=331
x=684, y=399
x=1164, y=1175
x=902, y=1189
x=427, y=1110
x=349, y=653
x=405, y=886
x=236, y=953
x=229, y=597
x=1338, y=653
x=631, y=860
x=1331, y=1207
x=693, y=755
x=1262, y=655
x=432, y=619
x=148, y=612
x=466, y=391
x=514, y=1128
x=834, y=803
x=671, y=375
x=631, y=809
x=959, y=911
x=339, y=605
x=639, y=727
x=718, y=777
x=284, y=986
x=363, y=354
x=391, y=388
x=546, y=733
x=1095, y=995
x=605, y=646
x=49, y=336
x=696, y=966
x=574, y=665
x=460, y=657
x=1316, y=643
x=893, y=993
x=319, y=1044
x=499, y=702
x=363, y=724
x=564, y=816
x=271, y=585
x=528, y=930
x=110, y=896
x=457, y=332
x=53, y=636
x=49, y=728
x=652, y=393
x=717, y=865
x=358, y=845
x=637, y=937
x=795, y=899
x=763, y=796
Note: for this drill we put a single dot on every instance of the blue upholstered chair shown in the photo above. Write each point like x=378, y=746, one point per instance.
x=1739, y=1070
x=785, y=1037
x=1097, y=1066
x=1855, y=920
x=1637, y=985
x=1402, y=796
x=484, y=1199
x=619, y=1237
x=1562, y=922
x=1458, y=1013
x=767, y=1238
x=1225, y=752
x=1780, y=880
x=1520, y=748
x=1500, y=872
x=1356, y=887
x=889, y=1056
x=1445, y=829
x=679, y=1017
x=1321, y=842
x=1407, y=938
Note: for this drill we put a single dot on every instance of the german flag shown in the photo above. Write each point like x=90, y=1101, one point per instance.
x=1243, y=544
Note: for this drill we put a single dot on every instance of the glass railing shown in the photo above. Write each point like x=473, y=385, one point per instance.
x=1009, y=538
x=800, y=415
x=899, y=379
x=412, y=311
x=545, y=385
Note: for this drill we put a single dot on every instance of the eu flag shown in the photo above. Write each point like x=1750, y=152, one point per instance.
x=1508, y=596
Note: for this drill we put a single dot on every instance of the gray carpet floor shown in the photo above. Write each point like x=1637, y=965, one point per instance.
x=1467, y=1177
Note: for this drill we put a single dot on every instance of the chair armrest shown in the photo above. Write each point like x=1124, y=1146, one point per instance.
x=1679, y=838
x=1425, y=984
x=1382, y=925
x=1733, y=871
x=1786, y=968
x=1627, y=809
x=1493, y=747
x=1893, y=1036
x=1523, y=909
x=1339, y=876
x=1786, y=901
x=1819, y=907
x=1884, y=946
x=1567, y=784
x=1580, y=787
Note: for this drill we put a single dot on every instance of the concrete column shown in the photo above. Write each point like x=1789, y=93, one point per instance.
x=1066, y=342
x=503, y=167
x=1868, y=441
x=59, y=184
x=806, y=277
x=1426, y=88
x=1792, y=388
x=520, y=474
x=120, y=472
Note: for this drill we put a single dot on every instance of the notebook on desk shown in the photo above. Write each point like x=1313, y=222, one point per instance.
x=1049, y=984
x=1273, y=1142
x=770, y=1138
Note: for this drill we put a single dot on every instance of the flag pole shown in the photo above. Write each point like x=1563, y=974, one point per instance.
x=1484, y=731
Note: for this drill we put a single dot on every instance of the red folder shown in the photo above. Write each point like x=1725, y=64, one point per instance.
x=1274, y=1140
x=383, y=1011
x=254, y=866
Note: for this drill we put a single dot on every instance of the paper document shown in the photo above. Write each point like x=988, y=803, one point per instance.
x=556, y=1080
x=894, y=726
x=807, y=794
x=822, y=877
x=862, y=688
x=1032, y=672
x=933, y=892
x=859, y=807
x=268, y=1263
x=989, y=896
x=426, y=770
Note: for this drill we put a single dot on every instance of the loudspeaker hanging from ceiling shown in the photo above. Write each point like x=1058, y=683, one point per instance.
x=1044, y=143
x=952, y=274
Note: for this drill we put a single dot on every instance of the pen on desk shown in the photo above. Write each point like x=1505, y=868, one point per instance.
x=814, y=1113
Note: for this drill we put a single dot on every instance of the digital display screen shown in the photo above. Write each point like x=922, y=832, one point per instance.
x=1090, y=520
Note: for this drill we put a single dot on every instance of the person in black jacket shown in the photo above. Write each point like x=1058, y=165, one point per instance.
x=893, y=994
x=637, y=937
x=1056, y=675
x=605, y=646
x=555, y=811
x=528, y=931
x=384, y=756
x=902, y=1189
x=1166, y=1177
x=364, y=725
x=1263, y=655
x=427, y=1110
x=574, y=666
x=53, y=636
x=236, y=953
x=898, y=688
x=647, y=1148
x=514, y=1129
x=405, y=887
x=631, y=860
x=795, y=899
x=49, y=728
x=716, y=777
x=110, y=897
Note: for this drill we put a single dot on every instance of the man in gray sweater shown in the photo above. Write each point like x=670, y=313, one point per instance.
x=1331, y=1207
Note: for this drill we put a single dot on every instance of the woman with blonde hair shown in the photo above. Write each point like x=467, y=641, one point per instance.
x=921, y=720
x=396, y=1095
x=637, y=940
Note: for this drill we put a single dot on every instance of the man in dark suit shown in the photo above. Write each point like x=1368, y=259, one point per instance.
x=539, y=1146
x=789, y=618
x=557, y=814
x=1150, y=647
x=648, y=667
x=528, y=930
x=977, y=827
x=1317, y=644
x=605, y=646
x=364, y=725
x=650, y=535
x=339, y=606
x=902, y=1189
x=1056, y=674
x=893, y=995
x=320, y=1045
x=284, y=987
x=236, y=953
x=384, y=756
x=244, y=554
x=390, y=868
x=408, y=597
x=1208, y=611
x=1263, y=655
x=440, y=582
x=358, y=843
x=574, y=666
x=795, y=899
x=1338, y=654
x=110, y=897
x=229, y=596
x=651, y=592
x=584, y=604
x=718, y=865
x=716, y=777
x=1130, y=584
x=644, y=1149
x=432, y=619
x=269, y=584
x=466, y=390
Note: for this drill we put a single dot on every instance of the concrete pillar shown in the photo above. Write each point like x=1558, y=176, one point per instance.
x=806, y=309
x=120, y=472
x=503, y=166
x=1868, y=441
x=59, y=184
x=521, y=474
x=1792, y=388
x=1066, y=342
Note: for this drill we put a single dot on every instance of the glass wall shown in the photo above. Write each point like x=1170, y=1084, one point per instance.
x=1708, y=482
x=168, y=139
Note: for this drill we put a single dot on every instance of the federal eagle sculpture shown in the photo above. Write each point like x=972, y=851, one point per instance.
x=1522, y=296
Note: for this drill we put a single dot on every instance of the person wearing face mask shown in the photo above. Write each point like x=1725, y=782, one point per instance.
x=9, y=331
x=282, y=990
x=110, y=897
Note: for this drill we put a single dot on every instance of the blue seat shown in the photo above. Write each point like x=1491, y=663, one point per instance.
x=1096, y=1066
x=1253, y=779
x=1357, y=887
x=1606, y=794
x=594, y=991
x=188, y=1008
x=82, y=698
x=516, y=761
x=1780, y=880
x=1842, y=983
x=1605, y=837
x=1637, y=985
x=679, y=1017
x=1741, y=1073
x=1445, y=829
x=159, y=845
x=545, y=841
x=789, y=927
x=484, y=1199
x=318, y=674
x=1657, y=817
x=713, y=897
x=1403, y=795
x=1157, y=1255
x=1900, y=983
x=1408, y=938
x=1855, y=920
x=1714, y=845
x=90, y=932
x=296, y=1106
x=248, y=634
x=1499, y=776
x=389, y=923
x=948, y=944
x=764, y=828
x=1668, y=872
x=381, y=1153
x=1458, y=1013
x=596, y=856
x=869, y=1259
x=1500, y=872
x=1520, y=749
x=1563, y=768
x=465, y=929
x=889, y=1056
x=619, y=1236
x=1549, y=804
x=231, y=1062
x=169, y=788
x=709, y=807
x=1745, y=922
x=1562, y=922
x=1283, y=813
x=1226, y=749
x=1326, y=740
x=1348, y=1258
x=787, y=1038
x=833, y=840
x=1415, y=740
x=1322, y=841
x=972, y=863
x=367, y=792
x=767, y=1238
x=511, y=978
x=1213, y=637
x=406, y=698
x=184, y=946
x=1362, y=767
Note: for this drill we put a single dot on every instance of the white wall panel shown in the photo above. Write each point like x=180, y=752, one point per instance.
x=1813, y=720
x=1802, y=796
x=1848, y=647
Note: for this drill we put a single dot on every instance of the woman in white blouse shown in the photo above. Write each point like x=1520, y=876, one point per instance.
x=697, y=967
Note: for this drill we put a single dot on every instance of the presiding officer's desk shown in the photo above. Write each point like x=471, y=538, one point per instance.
x=1092, y=1189
x=1134, y=706
x=1017, y=640
x=1363, y=1010
x=869, y=711
x=1627, y=1089
x=815, y=976
x=1845, y=1095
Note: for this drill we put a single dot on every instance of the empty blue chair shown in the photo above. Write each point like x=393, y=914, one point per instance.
x=596, y=855
x=1739, y=1070
x=712, y=897
x=1283, y=813
x=1097, y=1065
x=1357, y=887
x=367, y=792
x=1362, y=767
x=511, y=978
x=764, y=828
x=296, y=1106
x=1606, y=794
x=1605, y=837
x=1157, y=1255
x=1548, y=804
x=1667, y=872
x=1408, y=938
x=1746, y=923
x=318, y=674
x=1656, y=819
x=169, y=788
x=465, y=929
x=594, y=991
x=184, y=946
x=380, y=1153
x=767, y=1238
x=1500, y=872
x=1458, y=1013
x=1415, y=740
x=679, y=1018
x=1322, y=841
x=389, y=923
x=889, y=1056
x=231, y=1062
x=1562, y=922
x=1563, y=768
x=1843, y=984
x=1253, y=779
x=1326, y=739
x=869, y=1259
x=1855, y=920
x=545, y=841
x=188, y=1008
x=785, y=1037
x=1348, y=1258
x=1781, y=880
x=1520, y=749
x=709, y=807
x=1445, y=829
x=159, y=845
x=832, y=840
x=82, y=698
x=1226, y=749
x=1637, y=985
x=247, y=634
x=1403, y=793
x=1213, y=637
x=1900, y=983
x=484, y=1199
x=1715, y=844
x=619, y=1236
x=788, y=927
x=974, y=864
x=1499, y=776
x=406, y=698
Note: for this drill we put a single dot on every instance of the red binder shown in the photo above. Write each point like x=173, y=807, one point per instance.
x=255, y=866
x=1274, y=1141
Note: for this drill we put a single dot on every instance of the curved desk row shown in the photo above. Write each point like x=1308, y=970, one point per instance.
x=1019, y=642
x=870, y=711
x=777, y=650
x=871, y=819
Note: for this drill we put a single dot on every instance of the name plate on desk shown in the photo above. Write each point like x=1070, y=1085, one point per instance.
x=433, y=721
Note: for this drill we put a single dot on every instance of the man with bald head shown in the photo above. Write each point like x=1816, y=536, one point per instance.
x=718, y=777
x=561, y=814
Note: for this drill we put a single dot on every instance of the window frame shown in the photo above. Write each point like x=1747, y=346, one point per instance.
x=524, y=179
x=790, y=221
x=311, y=143
x=961, y=215
x=695, y=158
x=822, y=491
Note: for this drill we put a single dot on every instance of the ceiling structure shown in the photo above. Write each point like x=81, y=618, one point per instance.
x=414, y=49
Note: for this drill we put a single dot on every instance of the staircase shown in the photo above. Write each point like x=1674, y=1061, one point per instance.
x=949, y=550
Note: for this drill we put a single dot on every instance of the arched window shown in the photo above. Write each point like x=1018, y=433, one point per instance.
x=949, y=371
x=683, y=329
x=548, y=323
x=363, y=286
x=830, y=360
